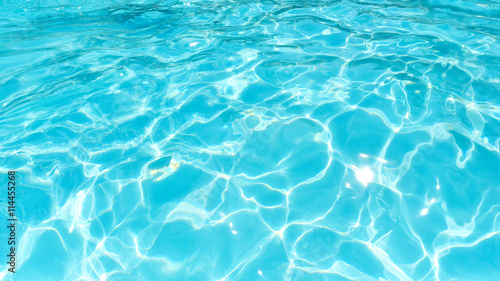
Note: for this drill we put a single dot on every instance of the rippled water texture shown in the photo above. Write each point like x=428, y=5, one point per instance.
x=252, y=140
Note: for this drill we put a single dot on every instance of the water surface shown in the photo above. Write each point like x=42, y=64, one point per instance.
x=252, y=140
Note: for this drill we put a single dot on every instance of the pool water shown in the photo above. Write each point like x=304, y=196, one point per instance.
x=251, y=140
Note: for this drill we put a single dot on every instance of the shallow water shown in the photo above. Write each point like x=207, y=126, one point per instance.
x=252, y=140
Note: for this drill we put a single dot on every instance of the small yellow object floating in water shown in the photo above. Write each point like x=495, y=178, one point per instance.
x=165, y=171
x=174, y=164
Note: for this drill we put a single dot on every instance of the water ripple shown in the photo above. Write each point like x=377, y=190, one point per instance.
x=253, y=140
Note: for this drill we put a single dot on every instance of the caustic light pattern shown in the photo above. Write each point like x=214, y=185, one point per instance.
x=252, y=140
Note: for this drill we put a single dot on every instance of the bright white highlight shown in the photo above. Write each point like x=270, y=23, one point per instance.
x=364, y=175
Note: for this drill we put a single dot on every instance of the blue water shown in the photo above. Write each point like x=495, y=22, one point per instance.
x=251, y=140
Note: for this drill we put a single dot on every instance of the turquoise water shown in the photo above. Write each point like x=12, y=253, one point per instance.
x=251, y=140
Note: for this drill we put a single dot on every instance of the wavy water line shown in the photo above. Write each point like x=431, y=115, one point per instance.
x=276, y=140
